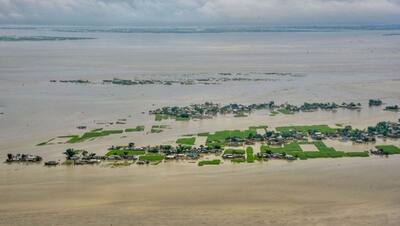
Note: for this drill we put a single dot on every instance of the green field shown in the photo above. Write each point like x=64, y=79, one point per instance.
x=125, y=152
x=324, y=151
x=151, y=157
x=209, y=162
x=305, y=129
x=389, y=149
x=92, y=135
x=220, y=137
x=186, y=141
x=136, y=129
x=249, y=155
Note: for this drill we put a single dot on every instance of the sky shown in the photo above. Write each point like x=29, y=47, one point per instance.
x=199, y=12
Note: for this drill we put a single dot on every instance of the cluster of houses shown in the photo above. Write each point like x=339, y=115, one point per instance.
x=270, y=155
x=11, y=158
x=381, y=130
x=209, y=109
x=307, y=107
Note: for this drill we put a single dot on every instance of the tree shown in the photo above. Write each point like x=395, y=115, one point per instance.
x=84, y=153
x=70, y=153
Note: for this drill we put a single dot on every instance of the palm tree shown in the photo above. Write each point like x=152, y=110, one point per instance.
x=70, y=153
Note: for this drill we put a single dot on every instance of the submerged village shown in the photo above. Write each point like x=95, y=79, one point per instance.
x=255, y=144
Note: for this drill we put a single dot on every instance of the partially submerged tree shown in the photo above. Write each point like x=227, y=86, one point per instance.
x=70, y=153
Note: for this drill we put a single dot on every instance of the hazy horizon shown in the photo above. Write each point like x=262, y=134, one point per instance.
x=199, y=12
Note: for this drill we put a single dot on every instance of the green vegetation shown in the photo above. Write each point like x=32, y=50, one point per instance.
x=389, y=149
x=46, y=142
x=220, y=138
x=136, y=129
x=285, y=111
x=305, y=129
x=122, y=152
x=179, y=118
x=324, y=151
x=357, y=154
x=92, y=135
x=209, y=162
x=186, y=141
x=234, y=151
x=160, y=117
x=151, y=157
x=249, y=155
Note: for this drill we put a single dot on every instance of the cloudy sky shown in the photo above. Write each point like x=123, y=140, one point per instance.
x=199, y=12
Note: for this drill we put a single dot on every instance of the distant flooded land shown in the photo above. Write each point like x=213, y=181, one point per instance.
x=190, y=126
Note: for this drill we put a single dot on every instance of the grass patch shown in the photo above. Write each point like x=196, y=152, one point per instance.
x=125, y=152
x=389, y=149
x=209, y=162
x=324, y=151
x=136, y=129
x=186, y=141
x=151, y=157
x=220, y=137
x=287, y=148
x=92, y=135
x=357, y=154
x=46, y=142
x=249, y=155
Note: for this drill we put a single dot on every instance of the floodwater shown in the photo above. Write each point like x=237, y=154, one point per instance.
x=334, y=66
